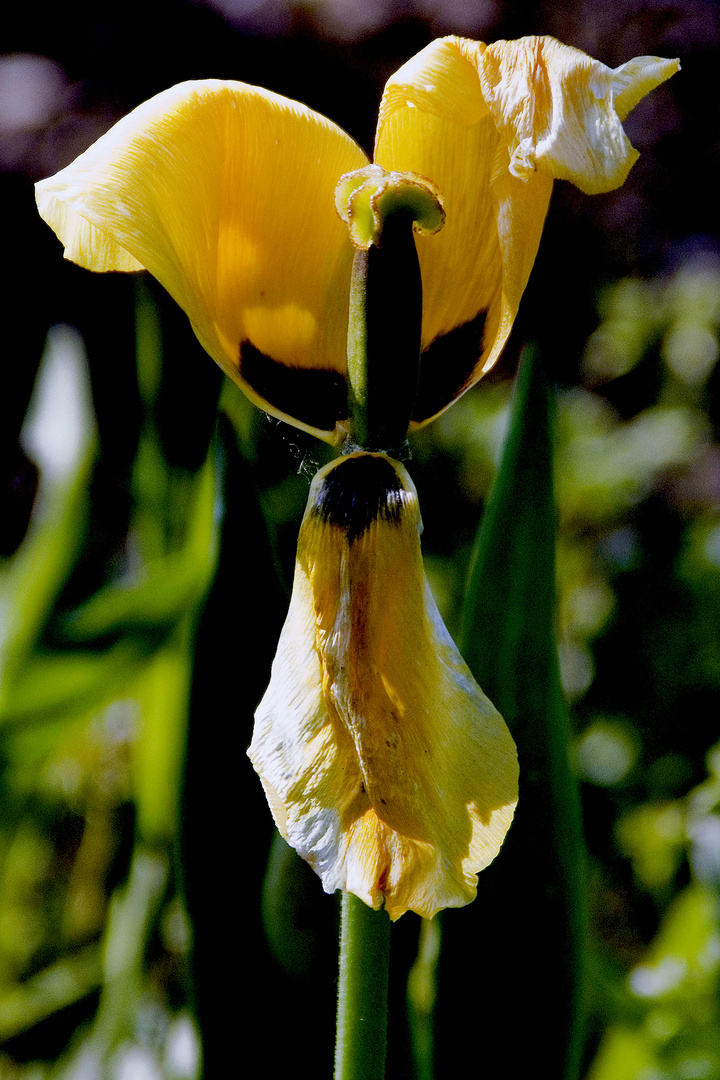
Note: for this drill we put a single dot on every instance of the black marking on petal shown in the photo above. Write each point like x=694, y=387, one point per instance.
x=358, y=492
x=446, y=366
x=314, y=396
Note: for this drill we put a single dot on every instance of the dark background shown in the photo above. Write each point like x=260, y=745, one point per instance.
x=69, y=71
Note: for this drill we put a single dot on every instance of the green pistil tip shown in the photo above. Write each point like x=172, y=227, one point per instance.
x=365, y=198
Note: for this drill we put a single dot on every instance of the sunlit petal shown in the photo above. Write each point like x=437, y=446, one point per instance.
x=434, y=121
x=224, y=192
x=492, y=126
x=384, y=764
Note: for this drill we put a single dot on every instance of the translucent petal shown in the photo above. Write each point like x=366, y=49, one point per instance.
x=475, y=270
x=224, y=192
x=491, y=127
x=384, y=764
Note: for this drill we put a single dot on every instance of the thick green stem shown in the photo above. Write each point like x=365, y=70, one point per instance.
x=385, y=319
x=384, y=337
x=362, y=992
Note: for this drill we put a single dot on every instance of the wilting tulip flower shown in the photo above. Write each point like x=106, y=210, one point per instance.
x=383, y=762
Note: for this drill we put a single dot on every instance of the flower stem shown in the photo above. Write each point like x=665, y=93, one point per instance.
x=362, y=992
x=384, y=337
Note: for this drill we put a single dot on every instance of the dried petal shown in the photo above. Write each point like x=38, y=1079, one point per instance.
x=384, y=764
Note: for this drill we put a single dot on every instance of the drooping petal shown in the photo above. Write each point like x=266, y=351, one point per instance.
x=384, y=764
x=225, y=192
x=492, y=126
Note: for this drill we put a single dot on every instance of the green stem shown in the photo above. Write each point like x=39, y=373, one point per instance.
x=384, y=330
x=362, y=992
x=384, y=337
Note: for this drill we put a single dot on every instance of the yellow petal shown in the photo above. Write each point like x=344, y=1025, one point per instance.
x=491, y=127
x=434, y=121
x=384, y=764
x=225, y=192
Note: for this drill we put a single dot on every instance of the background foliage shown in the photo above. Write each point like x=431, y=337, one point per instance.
x=147, y=551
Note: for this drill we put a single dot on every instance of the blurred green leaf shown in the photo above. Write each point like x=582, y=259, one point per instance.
x=133, y=912
x=162, y=692
x=63, y=684
x=678, y=984
x=627, y=1054
x=60, y=435
x=653, y=836
x=167, y=587
x=54, y=988
x=520, y=944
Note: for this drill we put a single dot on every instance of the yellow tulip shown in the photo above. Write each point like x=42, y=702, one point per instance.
x=225, y=192
x=383, y=762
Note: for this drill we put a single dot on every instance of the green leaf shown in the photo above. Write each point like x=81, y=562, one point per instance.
x=519, y=946
x=59, y=433
x=56, y=987
x=162, y=693
x=64, y=684
x=167, y=588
